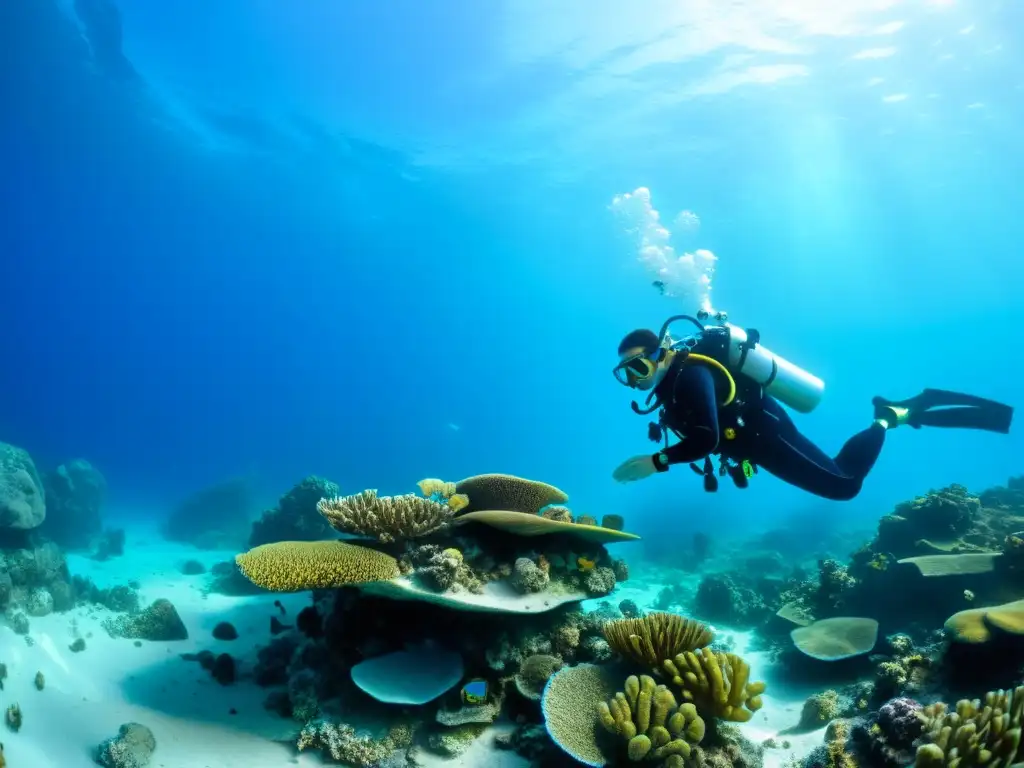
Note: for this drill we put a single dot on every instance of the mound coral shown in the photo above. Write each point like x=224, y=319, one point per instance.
x=978, y=733
x=295, y=566
x=976, y=625
x=649, y=640
x=653, y=725
x=385, y=518
x=534, y=673
x=508, y=492
x=717, y=684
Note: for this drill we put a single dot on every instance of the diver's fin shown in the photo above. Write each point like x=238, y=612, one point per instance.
x=941, y=408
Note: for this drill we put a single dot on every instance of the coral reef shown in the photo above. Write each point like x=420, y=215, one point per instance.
x=723, y=598
x=385, y=518
x=497, y=588
x=295, y=518
x=131, y=748
x=841, y=637
x=976, y=733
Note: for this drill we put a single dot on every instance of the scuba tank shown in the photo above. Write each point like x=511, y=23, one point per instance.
x=789, y=384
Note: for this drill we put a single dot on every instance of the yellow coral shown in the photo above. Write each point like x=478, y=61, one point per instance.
x=458, y=501
x=585, y=564
x=717, y=683
x=649, y=640
x=975, y=625
x=647, y=717
x=295, y=566
x=431, y=485
x=977, y=733
x=386, y=518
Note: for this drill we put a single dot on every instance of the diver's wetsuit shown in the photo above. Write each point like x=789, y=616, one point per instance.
x=768, y=437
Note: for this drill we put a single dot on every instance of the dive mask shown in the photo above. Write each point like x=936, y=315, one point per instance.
x=636, y=368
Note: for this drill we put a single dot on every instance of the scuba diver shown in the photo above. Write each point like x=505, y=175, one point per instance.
x=722, y=393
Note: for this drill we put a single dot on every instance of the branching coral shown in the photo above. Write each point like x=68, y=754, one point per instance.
x=977, y=734
x=385, y=518
x=649, y=640
x=655, y=728
x=717, y=683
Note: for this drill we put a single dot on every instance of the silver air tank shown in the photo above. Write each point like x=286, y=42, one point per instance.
x=790, y=385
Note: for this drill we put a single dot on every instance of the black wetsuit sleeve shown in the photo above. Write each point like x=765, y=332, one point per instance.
x=695, y=414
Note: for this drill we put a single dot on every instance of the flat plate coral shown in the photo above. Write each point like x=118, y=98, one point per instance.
x=523, y=524
x=497, y=597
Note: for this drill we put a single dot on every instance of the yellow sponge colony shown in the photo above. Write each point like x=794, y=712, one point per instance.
x=295, y=566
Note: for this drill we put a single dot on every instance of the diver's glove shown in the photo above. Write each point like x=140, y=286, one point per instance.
x=636, y=468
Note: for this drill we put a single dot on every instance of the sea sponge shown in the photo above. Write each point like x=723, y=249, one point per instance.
x=508, y=492
x=717, y=684
x=385, y=518
x=653, y=725
x=977, y=733
x=649, y=640
x=295, y=566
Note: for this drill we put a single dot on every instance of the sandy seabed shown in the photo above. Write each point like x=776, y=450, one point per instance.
x=197, y=722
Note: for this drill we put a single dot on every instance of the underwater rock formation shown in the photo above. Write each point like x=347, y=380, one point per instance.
x=131, y=748
x=213, y=518
x=295, y=518
x=75, y=493
x=22, y=497
x=159, y=622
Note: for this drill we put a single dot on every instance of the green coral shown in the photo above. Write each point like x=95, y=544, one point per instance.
x=977, y=733
x=819, y=709
x=717, y=683
x=653, y=725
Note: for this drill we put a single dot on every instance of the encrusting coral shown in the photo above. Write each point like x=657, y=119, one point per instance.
x=295, y=566
x=717, y=683
x=653, y=725
x=343, y=744
x=649, y=640
x=385, y=518
x=977, y=734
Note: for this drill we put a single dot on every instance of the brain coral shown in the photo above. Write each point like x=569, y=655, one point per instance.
x=295, y=566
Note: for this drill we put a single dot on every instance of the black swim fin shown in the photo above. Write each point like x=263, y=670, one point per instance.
x=940, y=408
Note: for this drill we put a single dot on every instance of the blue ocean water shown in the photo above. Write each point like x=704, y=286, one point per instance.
x=376, y=241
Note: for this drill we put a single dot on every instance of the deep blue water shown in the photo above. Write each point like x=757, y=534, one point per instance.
x=373, y=240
